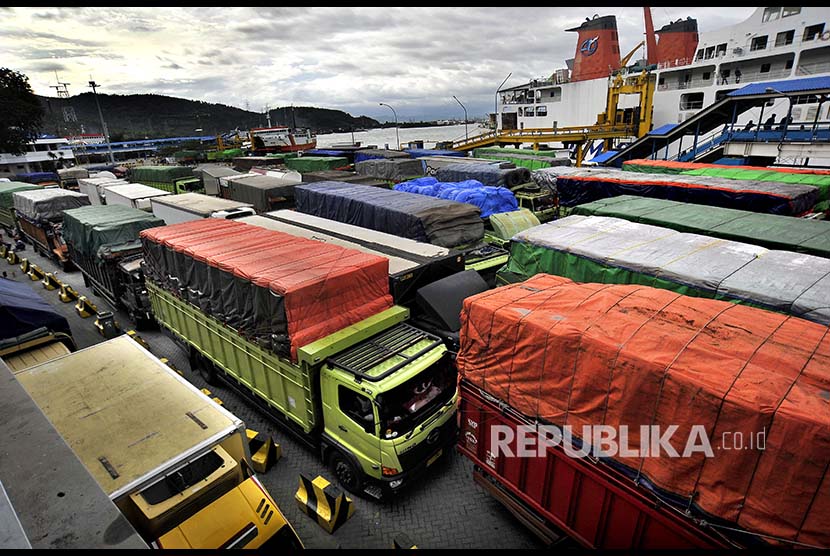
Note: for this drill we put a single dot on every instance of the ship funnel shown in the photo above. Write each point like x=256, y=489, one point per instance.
x=677, y=42
x=597, y=48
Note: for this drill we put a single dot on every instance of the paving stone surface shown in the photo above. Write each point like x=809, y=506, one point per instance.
x=445, y=509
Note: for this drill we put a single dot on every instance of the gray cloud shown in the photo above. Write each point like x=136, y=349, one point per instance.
x=345, y=58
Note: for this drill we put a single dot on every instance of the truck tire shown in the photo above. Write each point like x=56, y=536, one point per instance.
x=347, y=475
x=203, y=366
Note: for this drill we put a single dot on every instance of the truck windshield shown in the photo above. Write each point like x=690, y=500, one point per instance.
x=403, y=407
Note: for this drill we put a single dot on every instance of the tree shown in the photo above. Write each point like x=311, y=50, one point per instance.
x=21, y=114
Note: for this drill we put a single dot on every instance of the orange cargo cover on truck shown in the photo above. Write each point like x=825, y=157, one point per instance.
x=590, y=354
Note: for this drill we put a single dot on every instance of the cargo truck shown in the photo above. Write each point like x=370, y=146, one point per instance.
x=31, y=331
x=329, y=356
x=174, y=209
x=631, y=417
x=40, y=217
x=135, y=195
x=8, y=220
x=103, y=243
x=173, y=179
x=419, y=217
x=174, y=462
x=427, y=279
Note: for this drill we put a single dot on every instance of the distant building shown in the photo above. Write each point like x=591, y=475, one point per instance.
x=86, y=139
x=46, y=154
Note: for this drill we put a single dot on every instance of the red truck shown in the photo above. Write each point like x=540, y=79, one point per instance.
x=550, y=367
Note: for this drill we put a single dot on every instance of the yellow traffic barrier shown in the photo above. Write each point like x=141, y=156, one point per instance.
x=4, y=250
x=402, y=540
x=324, y=502
x=24, y=265
x=35, y=273
x=207, y=393
x=50, y=282
x=134, y=335
x=12, y=258
x=68, y=294
x=85, y=307
x=264, y=451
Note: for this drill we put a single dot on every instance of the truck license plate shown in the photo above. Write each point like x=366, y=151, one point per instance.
x=437, y=455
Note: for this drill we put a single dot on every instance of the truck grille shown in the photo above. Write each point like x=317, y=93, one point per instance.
x=383, y=347
x=427, y=447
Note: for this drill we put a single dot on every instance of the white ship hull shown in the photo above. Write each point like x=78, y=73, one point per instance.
x=797, y=46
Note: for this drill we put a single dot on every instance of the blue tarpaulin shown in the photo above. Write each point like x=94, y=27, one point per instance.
x=22, y=311
x=325, y=152
x=490, y=200
x=418, y=153
x=38, y=177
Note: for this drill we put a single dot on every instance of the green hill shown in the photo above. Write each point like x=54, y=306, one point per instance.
x=138, y=116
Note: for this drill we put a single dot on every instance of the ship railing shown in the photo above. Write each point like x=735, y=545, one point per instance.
x=811, y=69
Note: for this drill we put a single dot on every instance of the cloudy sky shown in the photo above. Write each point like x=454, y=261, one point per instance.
x=351, y=59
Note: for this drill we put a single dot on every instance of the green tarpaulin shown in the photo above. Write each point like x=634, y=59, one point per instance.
x=767, y=230
x=8, y=188
x=88, y=229
x=165, y=174
x=614, y=251
x=316, y=163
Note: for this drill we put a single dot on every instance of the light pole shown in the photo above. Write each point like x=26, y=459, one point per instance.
x=93, y=84
x=397, y=137
x=466, y=135
x=496, y=101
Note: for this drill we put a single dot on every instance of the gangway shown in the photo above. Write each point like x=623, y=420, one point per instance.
x=611, y=124
x=667, y=142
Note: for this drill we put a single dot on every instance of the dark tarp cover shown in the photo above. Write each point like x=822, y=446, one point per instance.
x=263, y=192
x=47, y=204
x=22, y=311
x=38, y=177
x=326, y=152
x=393, y=170
x=371, y=154
x=316, y=163
x=418, y=153
x=577, y=186
x=288, y=293
x=804, y=235
x=158, y=256
x=490, y=200
x=616, y=251
x=88, y=229
x=566, y=353
x=488, y=174
x=418, y=217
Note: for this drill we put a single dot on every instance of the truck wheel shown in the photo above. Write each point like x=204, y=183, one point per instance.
x=204, y=367
x=347, y=475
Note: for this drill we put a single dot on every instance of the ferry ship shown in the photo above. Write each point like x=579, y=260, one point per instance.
x=693, y=69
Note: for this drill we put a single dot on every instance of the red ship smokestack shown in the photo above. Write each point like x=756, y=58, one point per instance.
x=597, y=49
x=677, y=43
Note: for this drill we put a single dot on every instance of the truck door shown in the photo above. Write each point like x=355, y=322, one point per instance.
x=351, y=421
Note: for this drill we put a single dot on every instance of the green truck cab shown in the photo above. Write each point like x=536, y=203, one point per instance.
x=376, y=399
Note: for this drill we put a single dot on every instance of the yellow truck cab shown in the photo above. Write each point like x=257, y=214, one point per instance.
x=174, y=462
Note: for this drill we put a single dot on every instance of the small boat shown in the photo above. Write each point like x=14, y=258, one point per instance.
x=281, y=140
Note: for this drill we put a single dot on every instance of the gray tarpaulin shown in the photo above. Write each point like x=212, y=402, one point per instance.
x=47, y=204
x=393, y=170
x=488, y=174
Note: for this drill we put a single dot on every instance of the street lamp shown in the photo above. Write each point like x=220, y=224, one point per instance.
x=496, y=101
x=397, y=137
x=466, y=135
x=93, y=84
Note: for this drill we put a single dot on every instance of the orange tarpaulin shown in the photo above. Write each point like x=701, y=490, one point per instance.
x=590, y=354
